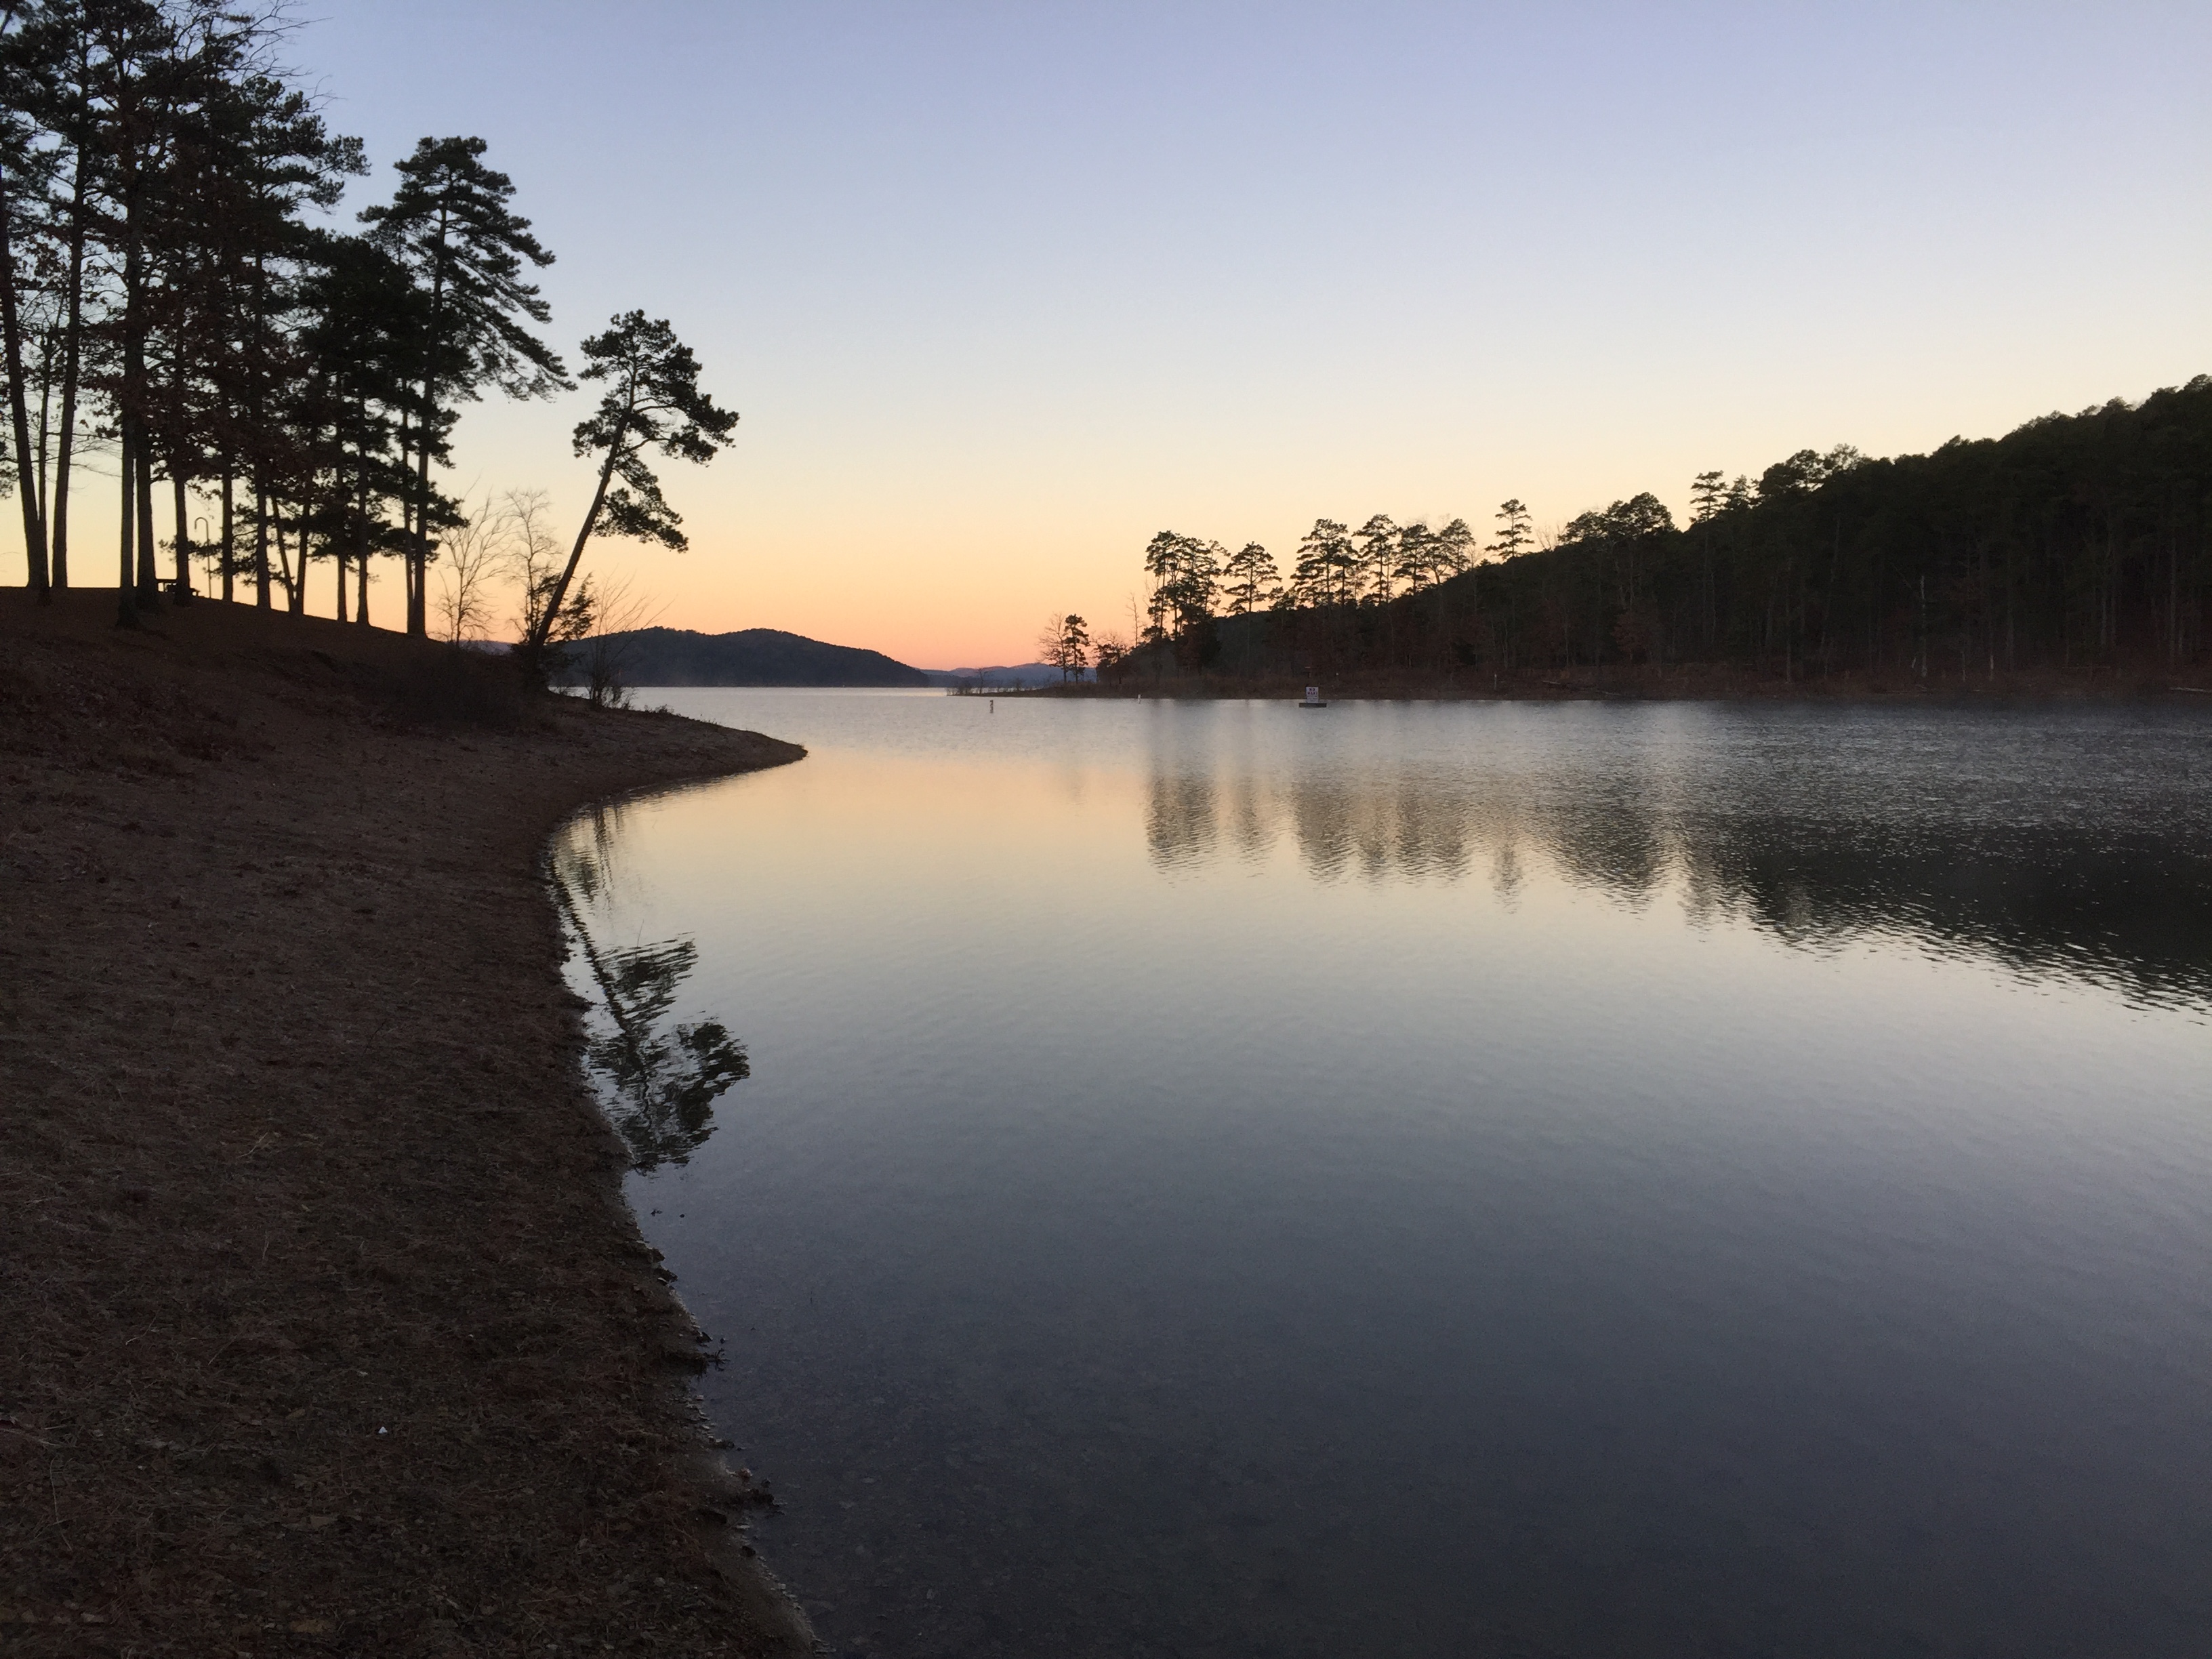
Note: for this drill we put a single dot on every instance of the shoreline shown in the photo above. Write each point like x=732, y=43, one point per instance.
x=1682, y=684
x=333, y=1332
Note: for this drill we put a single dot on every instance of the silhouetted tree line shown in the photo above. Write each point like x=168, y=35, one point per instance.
x=2075, y=540
x=170, y=295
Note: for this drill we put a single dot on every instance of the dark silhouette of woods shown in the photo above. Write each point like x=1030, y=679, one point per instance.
x=174, y=294
x=2076, y=542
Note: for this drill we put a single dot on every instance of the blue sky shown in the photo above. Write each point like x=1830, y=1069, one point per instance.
x=1002, y=289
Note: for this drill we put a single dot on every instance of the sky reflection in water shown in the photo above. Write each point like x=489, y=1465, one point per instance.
x=1224, y=1180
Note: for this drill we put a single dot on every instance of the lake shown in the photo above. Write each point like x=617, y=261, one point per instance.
x=1222, y=1179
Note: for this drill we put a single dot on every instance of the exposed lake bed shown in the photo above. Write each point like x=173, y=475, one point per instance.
x=1577, y=1179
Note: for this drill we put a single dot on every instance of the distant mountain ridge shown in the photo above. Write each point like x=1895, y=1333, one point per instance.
x=751, y=656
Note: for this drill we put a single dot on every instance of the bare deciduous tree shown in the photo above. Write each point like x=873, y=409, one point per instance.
x=531, y=552
x=607, y=619
x=474, y=552
x=594, y=619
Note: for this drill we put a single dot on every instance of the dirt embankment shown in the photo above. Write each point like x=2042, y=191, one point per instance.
x=322, y=1328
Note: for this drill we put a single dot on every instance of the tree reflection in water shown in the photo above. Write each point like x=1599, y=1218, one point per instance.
x=1981, y=846
x=659, y=1080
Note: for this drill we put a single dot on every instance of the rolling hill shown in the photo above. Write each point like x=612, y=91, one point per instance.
x=752, y=656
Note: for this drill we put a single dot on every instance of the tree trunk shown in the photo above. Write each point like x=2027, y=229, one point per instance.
x=257, y=361
x=284, y=567
x=11, y=340
x=126, y=598
x=418, y=580
x=149, y=576
x=72, y=362
x=299, y=596
x=136, y=469
x=543, y=632
x=45, y=440
x=409, y=517
x=230, y=548
x=260, y=543
x=184, y=539
x=360, y=543
x=418, y=560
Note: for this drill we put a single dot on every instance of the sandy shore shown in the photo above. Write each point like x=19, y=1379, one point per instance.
x=326, y=1328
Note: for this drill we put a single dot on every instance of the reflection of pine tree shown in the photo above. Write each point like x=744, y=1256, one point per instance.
x=660, y=1081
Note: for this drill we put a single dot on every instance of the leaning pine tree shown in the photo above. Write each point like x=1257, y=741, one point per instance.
x=652, y=401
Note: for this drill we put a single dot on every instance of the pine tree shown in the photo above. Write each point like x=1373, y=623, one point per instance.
x=1066, y=646
x=1328, y=567
x=1378, y=556
x=1252, y=577
x=652, y=401
x=1514, y=538
x=450, y=224
x=1414, y=560
x=1455, y=549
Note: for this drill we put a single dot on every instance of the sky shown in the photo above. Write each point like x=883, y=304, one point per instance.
x=1001, y=289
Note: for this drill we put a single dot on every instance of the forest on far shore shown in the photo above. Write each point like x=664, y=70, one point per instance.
x=2075, y=542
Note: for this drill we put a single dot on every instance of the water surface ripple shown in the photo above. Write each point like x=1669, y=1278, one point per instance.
x=1411, y=1180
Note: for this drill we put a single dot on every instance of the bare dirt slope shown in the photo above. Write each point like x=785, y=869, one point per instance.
x=322, y=1327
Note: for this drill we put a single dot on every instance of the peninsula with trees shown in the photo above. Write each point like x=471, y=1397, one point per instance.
x=2074, y=553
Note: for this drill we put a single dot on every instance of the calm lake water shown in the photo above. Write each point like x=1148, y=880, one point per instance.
x=1411, y=1180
